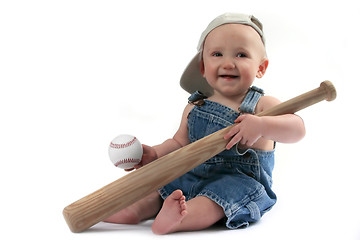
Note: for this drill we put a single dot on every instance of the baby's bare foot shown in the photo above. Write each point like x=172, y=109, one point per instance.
x=171, y=214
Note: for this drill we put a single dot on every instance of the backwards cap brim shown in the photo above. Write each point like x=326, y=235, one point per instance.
x=192, y=79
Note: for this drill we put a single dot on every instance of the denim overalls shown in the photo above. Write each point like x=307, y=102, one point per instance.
x=237, y=180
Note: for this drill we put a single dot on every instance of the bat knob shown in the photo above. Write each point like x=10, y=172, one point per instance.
x=330, y=90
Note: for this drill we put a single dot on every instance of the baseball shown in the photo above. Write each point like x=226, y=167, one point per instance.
x=125, y=151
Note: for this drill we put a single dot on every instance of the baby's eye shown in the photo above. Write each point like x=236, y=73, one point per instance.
x=241, y=55
x=216, y=54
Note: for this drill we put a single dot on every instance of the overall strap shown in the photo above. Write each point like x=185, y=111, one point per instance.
x=197, y=98
x=251, y=100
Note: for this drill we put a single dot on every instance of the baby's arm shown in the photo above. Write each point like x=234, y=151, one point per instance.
x=286, y=128
x=180, y=139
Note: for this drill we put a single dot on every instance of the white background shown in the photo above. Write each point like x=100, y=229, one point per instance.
x=75, y=74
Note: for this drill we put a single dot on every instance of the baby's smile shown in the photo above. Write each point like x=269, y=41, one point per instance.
x=228, y=76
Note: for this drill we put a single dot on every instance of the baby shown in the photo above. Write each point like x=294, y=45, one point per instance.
x=235, y=185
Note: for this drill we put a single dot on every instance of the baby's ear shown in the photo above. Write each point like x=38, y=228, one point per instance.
x=262, y=68
x=202, y=68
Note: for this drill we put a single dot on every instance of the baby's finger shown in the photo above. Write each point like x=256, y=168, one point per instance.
x=231, y=133
x=243, y=141
x=233, y=141
x=240, y=118
x=146, y=148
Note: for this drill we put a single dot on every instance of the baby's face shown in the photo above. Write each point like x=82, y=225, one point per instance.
x=232, y=57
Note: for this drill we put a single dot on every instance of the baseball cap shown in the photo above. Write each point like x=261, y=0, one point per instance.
x=192, y=79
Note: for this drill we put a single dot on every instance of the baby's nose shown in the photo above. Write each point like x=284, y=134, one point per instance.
x=228, y=63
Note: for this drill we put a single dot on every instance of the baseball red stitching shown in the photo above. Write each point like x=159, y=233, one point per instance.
x=127, y=160
x=123, y=145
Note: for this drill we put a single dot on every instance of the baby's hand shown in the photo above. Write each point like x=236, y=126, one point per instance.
x=247, y=131
x=149, y=155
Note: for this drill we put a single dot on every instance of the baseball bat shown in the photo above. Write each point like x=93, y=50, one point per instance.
x=121, y=193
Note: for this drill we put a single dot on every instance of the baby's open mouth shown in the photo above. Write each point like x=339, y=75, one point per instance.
x=229, y=76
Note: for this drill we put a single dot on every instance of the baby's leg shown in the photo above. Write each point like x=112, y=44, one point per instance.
x=141, y=210
x=196, y=214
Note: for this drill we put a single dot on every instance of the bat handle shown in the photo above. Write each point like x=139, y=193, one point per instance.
x=326, y=91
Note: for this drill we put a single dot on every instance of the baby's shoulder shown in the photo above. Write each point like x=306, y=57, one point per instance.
x=187, y=111
x=266, y=102
x=189, y=107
